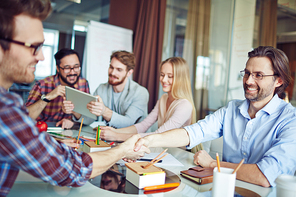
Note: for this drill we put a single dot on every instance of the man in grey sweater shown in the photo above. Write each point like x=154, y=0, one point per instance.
x=121, y=102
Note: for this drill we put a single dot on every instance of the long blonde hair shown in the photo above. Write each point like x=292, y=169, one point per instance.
x=181, y=88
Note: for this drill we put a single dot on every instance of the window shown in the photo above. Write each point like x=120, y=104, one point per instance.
x=47, y=67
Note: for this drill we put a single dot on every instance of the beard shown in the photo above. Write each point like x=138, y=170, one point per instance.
x=260, y=94
x=64, y=79
x=117, y=82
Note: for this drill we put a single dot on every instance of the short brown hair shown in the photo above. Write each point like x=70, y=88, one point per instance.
x=280, y=65
x=126, y=58
x=10, y=8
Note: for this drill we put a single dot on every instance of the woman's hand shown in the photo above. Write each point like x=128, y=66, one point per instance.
x=108, y=133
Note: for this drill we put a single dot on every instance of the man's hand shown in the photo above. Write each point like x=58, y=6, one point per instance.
x=58, y=91
x=142, y=142
x=71, y=142
x=108, y=133
x=204, y=159
x=96, y=107
x=67, y=106
x=129, y=146
x=66, y=123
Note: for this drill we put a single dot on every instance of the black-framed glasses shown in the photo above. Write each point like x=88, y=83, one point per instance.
x=35, y=47
x=255, y=75
x=68, y=69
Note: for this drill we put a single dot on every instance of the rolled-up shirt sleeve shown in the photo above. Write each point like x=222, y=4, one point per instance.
x=23, y=147
x=206, y=129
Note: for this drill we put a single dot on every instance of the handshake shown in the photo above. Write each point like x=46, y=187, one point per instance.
x=134, y=148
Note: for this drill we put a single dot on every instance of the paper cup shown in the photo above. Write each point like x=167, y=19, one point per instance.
x=224, y=182
x=285, y=186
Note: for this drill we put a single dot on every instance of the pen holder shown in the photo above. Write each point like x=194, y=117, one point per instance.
x=140, y=177
x=223, y=182
x=90, y=146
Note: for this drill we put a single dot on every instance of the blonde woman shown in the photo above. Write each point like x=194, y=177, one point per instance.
x=175, y=108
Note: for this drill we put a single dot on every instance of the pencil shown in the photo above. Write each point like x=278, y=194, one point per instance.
x=218, y=162
x=158, y=155
x=99, y=134
x=151, y=163
x=153, y=160
x=238, y=166
x=79, y=131
x=164, y=186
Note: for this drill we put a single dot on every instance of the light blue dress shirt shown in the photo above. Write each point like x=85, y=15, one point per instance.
x=268, y=140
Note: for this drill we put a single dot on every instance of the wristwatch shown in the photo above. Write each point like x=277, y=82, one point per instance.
x=43, y=97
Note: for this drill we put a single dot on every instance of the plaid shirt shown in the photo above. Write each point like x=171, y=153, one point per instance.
x=23, y=147
x=53, y=111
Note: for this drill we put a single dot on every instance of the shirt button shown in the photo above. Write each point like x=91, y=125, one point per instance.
x=245, y=138
x=244, y=153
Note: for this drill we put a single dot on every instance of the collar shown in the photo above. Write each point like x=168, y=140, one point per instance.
x=269, y=108
x=3, y=90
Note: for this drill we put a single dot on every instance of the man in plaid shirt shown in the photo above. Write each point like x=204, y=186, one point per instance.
x=46, y=97
x=22, y=147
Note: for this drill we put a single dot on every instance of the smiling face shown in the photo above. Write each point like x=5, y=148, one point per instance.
x=69, y=61
x=260, y=90
x=117, y=72
x=17, y=65
x=166, y=77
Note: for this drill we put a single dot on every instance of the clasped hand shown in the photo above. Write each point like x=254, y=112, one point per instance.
x=131, y=153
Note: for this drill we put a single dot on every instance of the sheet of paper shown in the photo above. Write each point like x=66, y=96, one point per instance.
x=169, y=160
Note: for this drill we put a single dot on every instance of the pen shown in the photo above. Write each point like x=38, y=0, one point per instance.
x=164, y=186
x=142, y=159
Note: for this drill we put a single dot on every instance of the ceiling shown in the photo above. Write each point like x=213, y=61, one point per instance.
x=65, y=12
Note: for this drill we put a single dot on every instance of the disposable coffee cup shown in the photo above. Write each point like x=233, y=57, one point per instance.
x=285, y=186
x=223, y=182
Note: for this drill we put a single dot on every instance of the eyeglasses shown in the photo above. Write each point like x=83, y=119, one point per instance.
x=255, y=75
x=35, y=47
x=68, y=69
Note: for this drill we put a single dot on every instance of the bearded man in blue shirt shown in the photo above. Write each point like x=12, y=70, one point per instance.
x=260, y=129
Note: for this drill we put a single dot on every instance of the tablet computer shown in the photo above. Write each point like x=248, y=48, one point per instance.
x=80, y=100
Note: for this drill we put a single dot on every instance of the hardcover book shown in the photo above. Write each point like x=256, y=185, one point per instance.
x=198, y=174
